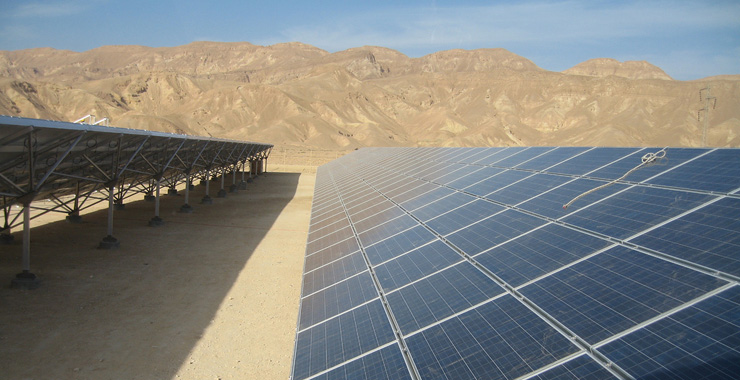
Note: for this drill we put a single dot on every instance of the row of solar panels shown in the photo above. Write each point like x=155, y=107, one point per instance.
x=43, y=158
x=462, y=263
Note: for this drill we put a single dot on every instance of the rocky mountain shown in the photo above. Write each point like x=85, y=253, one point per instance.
x=297, y=94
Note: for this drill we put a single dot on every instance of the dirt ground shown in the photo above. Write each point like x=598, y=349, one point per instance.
x=209, y=295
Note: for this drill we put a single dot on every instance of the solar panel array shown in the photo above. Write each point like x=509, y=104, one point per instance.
x=461, y=263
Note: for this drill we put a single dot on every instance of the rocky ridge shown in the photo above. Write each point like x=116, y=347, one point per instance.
x=297, y=94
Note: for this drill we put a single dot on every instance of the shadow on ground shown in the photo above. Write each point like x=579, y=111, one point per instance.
x=135, y=312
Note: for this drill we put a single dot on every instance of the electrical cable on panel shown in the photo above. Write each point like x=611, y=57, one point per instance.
x=647, y=159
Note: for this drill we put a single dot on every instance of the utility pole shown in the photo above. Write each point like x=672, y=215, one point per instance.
x=705, y=95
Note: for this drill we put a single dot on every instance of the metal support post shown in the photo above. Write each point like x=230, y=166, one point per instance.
x=149, y=197
x=156, y=220
x=233, y=188
x=186, y=208
x=26, y=279
x=222, y=192
x=5, y=236
x=207, y=198
x=243, y=183
x=74, y=215
x=109, y=242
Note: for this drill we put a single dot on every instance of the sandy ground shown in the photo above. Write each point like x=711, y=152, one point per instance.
x=209, y=295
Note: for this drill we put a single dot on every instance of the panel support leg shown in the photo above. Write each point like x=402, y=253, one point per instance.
x=233, y=188
x=109, y=242
x=186, y=208
x=6, y=237
x=156, y=220
x=222, y=192
x=243, y=183
x=26, y=279
x=207, y=200
x=74, y=215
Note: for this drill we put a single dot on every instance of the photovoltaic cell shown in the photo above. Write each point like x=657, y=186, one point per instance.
x=416, y=264
x=492, y=231
x=336, y=299
x=340, y=339
x=384, y=364
x=527, y=188
x=441, y=295
x=634, y=210
x=462, y=216
x=540, y=252
x=329, y=254
x=620, y=286
x=707, y=237
x=398, y=244
x=716, y=171
x=592, y=160
x=333, y=272
x=462, y=263
x=549, y=159
x=582, y=367
x=699, y=342
x=500, y=339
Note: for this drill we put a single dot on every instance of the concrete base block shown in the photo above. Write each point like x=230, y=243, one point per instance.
x=171, y=191
x=6, y=239
x=149, y=198
x=207, y=200
x=233, y=189
x=186, y=209
x=243, y=185
x=25, y=280
x=221, y=193
x=109, y=242
x=119, y=206
x=156, y=222
x=74, y=218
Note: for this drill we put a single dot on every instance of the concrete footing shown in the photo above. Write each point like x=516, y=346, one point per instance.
x=6, y=239
x=233, y=189
x=243, y=185
x=207, y=200
x=25, y=280
x=119, y=206
x=74, y=217
x=149, y=198
x=186, y=209
x=156, y=222
x=109, y=242
x=172, y=191
x=221, y=193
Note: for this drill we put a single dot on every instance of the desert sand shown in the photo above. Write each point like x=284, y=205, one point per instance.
x=209, y=295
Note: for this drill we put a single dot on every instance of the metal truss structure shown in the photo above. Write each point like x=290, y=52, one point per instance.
x=75, y=166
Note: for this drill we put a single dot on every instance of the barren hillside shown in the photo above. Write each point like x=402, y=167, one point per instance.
x=297, y=94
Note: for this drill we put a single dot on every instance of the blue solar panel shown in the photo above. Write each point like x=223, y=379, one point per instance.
x=441, y=295
x=707, y=237
x=333, y=272
x=582, y=367
x=699, y=342
x=384, y=364
x=500, y=339
x=416, y=264
x=615, y=290
x=339, y=339
x=462, y=263
x=336, y=299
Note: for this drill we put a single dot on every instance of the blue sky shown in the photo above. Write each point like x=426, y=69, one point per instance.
x=687, y=39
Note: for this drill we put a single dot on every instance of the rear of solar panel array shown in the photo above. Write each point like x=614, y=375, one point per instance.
x=462, y=263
